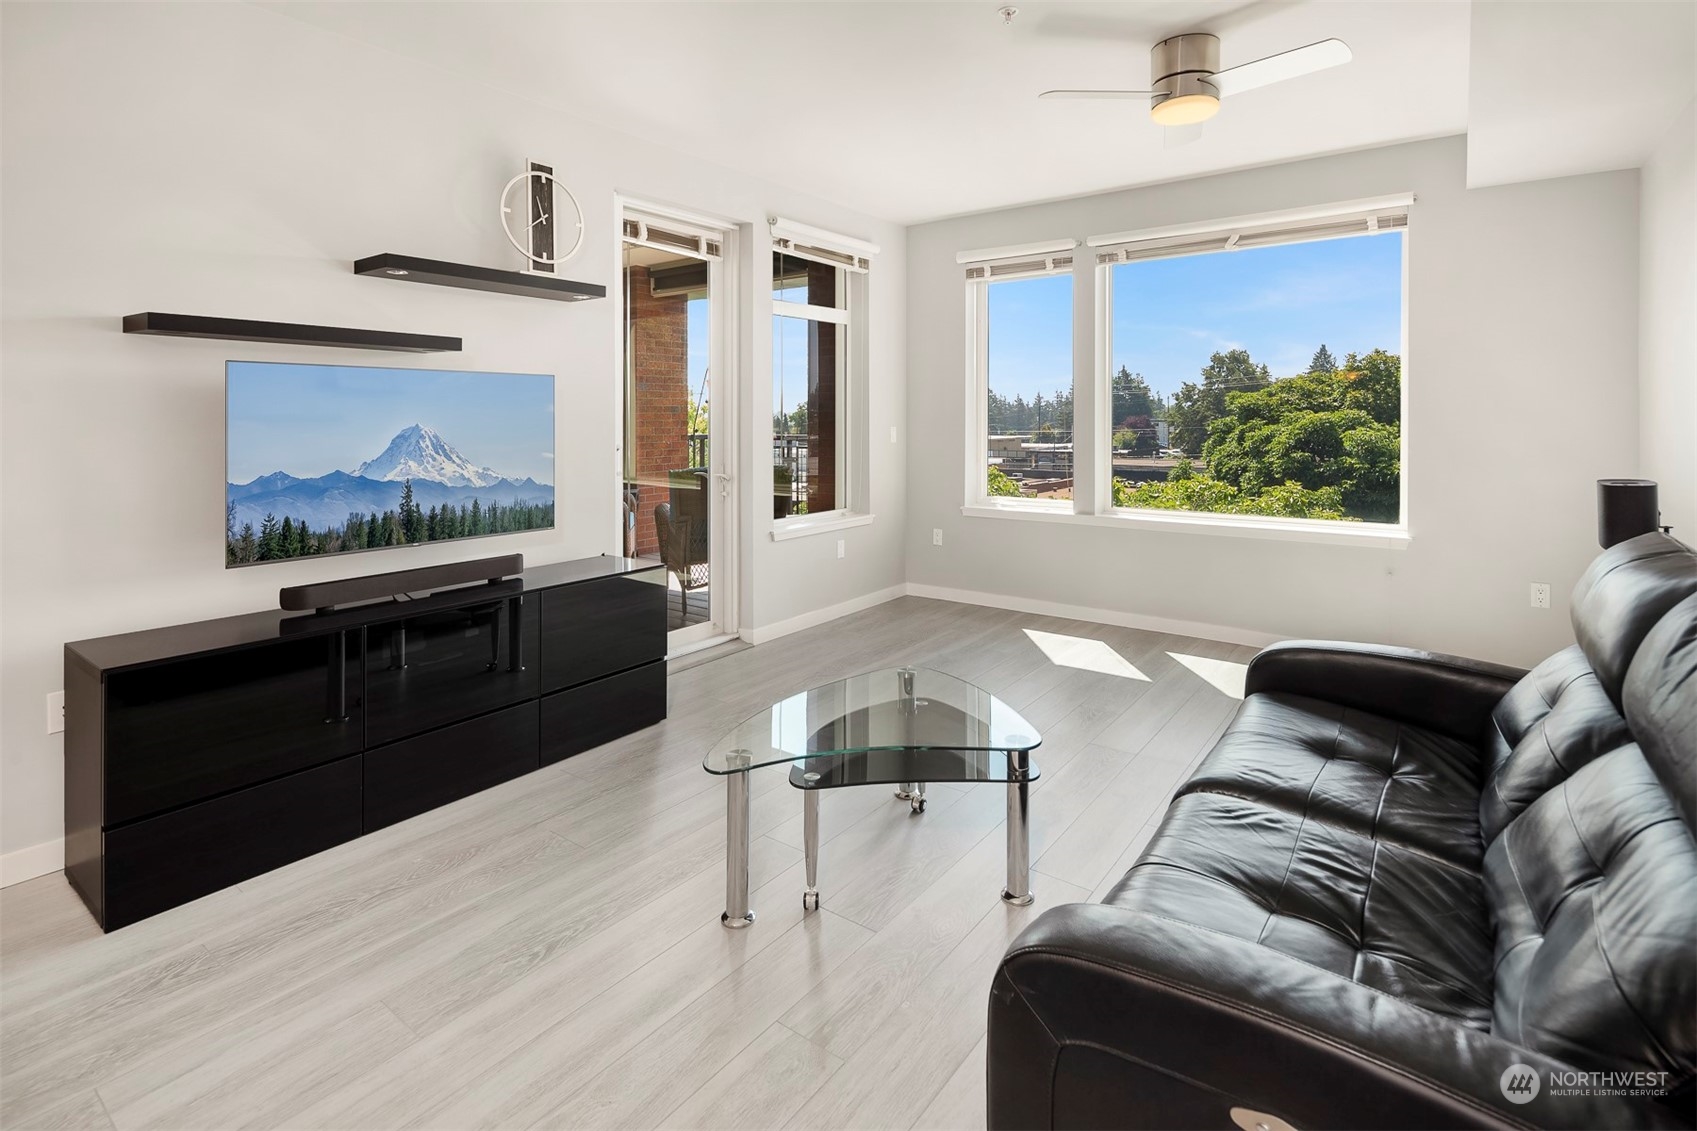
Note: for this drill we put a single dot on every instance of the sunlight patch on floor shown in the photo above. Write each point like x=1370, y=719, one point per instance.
x=1226, y=676
x=1083, y=653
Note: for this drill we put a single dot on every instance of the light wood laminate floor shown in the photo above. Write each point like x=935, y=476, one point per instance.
x=548, y=953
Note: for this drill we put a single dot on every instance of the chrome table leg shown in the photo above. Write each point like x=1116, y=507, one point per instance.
x=810, y=841
x=1018, y=890
x=916, y=797
x=736, y=913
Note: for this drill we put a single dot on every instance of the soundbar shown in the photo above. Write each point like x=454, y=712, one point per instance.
x=326, y=595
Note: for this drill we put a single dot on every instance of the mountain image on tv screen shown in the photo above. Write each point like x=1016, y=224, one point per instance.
x=329, y=459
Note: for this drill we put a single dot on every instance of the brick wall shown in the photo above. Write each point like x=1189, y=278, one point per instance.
x=659, y=361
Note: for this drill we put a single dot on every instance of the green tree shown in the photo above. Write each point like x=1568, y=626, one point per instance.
x=229, y=532
x=1196, y=406
x=246, y=545
x=1136, y=435
x=1203, y=493
x=1323, y=361
x=1338, y=429
x=269, y=532
x=1132, y=397
x=412, y=520
x=998, y=483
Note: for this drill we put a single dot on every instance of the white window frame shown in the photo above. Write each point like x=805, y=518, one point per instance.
x=854, y=257
x=984, y=268
x=1092, y=502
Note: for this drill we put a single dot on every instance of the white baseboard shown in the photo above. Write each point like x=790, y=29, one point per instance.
x=766, y=632
x=1101, y=616
x=28, y=863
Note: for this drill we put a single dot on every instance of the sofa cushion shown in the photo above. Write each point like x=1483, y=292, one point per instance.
x=1373, y=776
x=1591, y=889
x=1661, y=705
x=1621, y=596
x=1555, y=720
x=1392, y=918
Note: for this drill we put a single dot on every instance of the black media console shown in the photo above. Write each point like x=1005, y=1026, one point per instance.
x=200, y=755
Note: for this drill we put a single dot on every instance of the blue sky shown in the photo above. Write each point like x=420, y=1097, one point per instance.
x=697, y=345
x=1280, y=303
x=310, y=420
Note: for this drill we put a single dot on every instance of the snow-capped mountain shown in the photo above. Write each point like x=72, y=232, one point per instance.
x=418, y=453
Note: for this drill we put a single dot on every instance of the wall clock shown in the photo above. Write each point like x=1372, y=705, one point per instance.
x=541, y=218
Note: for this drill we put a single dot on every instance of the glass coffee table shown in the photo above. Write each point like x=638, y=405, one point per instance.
x=901, y=726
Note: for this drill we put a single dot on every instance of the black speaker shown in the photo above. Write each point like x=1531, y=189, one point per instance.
x=326, y=595
x=1626, y=508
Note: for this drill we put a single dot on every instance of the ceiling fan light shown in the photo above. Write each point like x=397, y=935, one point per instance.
x=1185, y=109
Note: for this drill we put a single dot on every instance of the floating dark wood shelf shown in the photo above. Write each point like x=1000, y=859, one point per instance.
x=285, y=333
x=411, y=269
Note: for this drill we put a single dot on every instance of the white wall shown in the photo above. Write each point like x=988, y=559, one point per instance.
x=1520, y=358
x=224, y=159
x=1667, y=344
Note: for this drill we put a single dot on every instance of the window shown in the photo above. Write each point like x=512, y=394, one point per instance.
x=1256, y=370
x=1022, y=379
x=818, y=431
x=809, y=379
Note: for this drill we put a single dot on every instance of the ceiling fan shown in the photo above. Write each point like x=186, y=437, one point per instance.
x=1187, y=83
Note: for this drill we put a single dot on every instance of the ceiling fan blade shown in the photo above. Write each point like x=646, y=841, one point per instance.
x=1058, y=94
x=1174, y=137
x=1285, y=65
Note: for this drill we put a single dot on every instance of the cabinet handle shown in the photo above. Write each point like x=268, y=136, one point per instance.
x=515, y=634
x=336, y=705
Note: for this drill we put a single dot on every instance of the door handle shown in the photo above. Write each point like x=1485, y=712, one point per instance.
x=724, y=485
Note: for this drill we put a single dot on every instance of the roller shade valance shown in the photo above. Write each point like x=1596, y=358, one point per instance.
x=1354, y=218
x=671, y=236
x=1019, y=268
x=821, y=246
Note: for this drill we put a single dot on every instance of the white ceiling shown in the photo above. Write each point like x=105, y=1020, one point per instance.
x=1565, y=88
x=914, y=111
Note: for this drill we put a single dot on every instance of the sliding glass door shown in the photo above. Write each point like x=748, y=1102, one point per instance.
x=677, y=458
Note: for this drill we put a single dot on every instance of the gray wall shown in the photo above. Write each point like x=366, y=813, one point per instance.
x=1667, y=361
x=1520, y=363
x=223, y=159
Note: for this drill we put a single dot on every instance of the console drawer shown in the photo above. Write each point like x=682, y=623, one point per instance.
x=601, y=627
x=182, y=731
x=585, y=717
x=418, y=774
x=170, y=859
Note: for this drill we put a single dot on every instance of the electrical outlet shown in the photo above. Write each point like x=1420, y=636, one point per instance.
x=1540, y=595
x=892, y=433
x=937, y=536
x=55, y=712
x=842, y=548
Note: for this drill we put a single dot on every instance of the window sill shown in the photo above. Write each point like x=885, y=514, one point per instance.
x=1378, y=536
x=785, y=529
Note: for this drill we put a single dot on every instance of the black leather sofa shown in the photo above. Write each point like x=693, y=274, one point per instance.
x=1396, y=876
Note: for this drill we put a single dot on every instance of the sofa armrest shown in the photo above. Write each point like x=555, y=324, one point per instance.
x=1105, y=1017
x=1448, y=694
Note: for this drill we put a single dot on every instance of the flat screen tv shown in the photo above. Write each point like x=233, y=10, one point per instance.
x=332, y=459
